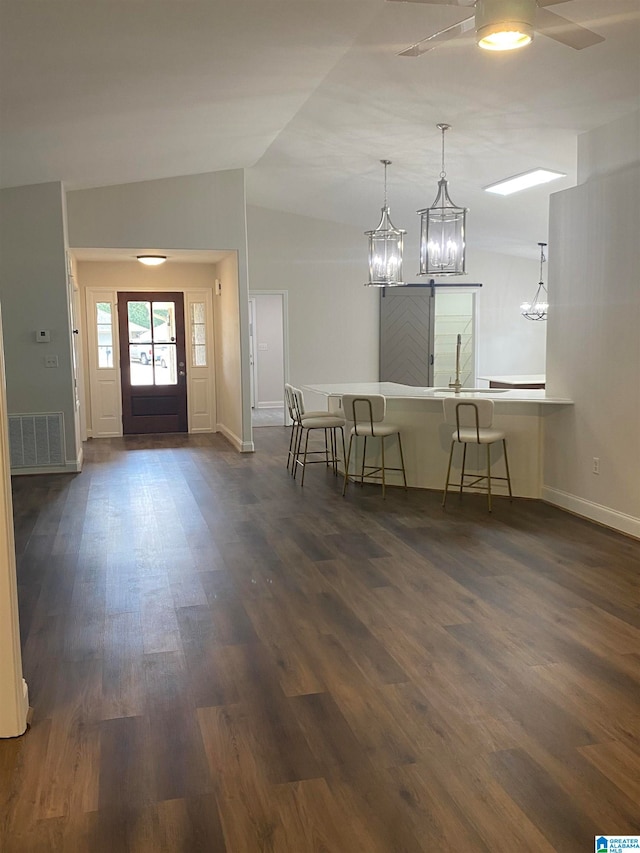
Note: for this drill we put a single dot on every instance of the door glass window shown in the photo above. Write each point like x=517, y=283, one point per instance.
x=198, y=335
x=104, y=324
x=152, y=343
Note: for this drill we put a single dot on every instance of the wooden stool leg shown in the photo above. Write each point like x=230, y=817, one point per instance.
x=489, y=475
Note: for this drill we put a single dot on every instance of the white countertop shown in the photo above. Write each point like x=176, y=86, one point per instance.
x=524, y=379
x=409, y=392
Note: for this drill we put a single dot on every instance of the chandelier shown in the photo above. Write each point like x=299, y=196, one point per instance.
x=442, y=230
x=537, y=309
x=385, y=247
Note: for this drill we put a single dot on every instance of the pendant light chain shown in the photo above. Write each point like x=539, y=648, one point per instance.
x=443, y=128
x=542, y=258
x=385, y=163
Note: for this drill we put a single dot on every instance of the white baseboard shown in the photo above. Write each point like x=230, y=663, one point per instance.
x=595, y=512
x=25, y=703
x=16, y=719
x=69, y=468
x=273, y=404
x=236, y=441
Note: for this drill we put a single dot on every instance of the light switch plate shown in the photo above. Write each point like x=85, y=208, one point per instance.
x=43, y=336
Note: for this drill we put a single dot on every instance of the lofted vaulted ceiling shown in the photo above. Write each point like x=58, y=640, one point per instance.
x=308, y=96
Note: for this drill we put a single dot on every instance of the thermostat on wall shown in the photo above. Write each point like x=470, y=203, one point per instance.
x=43, y=336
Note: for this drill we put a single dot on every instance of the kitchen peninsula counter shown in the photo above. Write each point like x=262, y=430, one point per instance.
x=521, y=413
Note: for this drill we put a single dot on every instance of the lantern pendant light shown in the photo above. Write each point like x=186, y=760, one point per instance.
x=385, y=247
x=537, y=310
x=442, y=230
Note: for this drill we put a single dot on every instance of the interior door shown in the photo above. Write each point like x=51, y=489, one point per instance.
x=152, y=362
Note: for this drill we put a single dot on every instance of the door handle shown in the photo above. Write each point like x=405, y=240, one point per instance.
x=182, y=373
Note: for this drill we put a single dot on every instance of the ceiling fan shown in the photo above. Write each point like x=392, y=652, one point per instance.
x=506, y=24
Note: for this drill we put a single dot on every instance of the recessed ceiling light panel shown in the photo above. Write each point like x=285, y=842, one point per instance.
x=524, y=181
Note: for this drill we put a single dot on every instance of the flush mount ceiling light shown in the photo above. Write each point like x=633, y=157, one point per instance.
x=442, y=230
x=152, y=260
x=537, y=310
x=523, y=181
x=385, y=247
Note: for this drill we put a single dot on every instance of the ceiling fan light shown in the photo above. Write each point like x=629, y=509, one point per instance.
x=504, y=37
x=504, y=24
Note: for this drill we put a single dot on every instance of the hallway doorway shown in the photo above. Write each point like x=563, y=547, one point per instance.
x=269, y=356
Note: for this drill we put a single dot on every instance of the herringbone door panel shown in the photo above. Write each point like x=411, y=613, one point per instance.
x=406, y=326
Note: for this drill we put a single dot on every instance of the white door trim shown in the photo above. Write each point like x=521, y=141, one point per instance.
x=285, y=329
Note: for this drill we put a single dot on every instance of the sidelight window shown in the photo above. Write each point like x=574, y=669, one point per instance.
x=104, y=325
x=198, y=335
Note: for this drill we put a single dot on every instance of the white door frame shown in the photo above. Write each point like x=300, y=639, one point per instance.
x=285, y=333
x=253, y=358
x=188, y=293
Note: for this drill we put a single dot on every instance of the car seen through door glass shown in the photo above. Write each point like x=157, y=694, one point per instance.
x=152, y=343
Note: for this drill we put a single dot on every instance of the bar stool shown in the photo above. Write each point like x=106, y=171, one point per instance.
x=308, y=421
x=367, y=412
x=473, y=419
x=296, y=424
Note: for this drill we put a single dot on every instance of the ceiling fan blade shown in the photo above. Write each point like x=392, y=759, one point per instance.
x=566, y=32
x=443, y=35
x=446, y=2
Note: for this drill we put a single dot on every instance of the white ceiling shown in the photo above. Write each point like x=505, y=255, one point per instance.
x=308, y=95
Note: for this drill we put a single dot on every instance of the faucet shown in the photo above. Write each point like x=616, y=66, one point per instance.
x=457, y=385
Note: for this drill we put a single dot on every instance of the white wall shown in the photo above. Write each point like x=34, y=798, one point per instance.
x=190, y=212
x=507, y=342
x=33, y=289
x=227, y=340
x=14, y=700
x=269, y=350
x=609, y=148
x=333, y=318
x=593, y=352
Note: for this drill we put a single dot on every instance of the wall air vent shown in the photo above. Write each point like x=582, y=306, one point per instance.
x=36, y=440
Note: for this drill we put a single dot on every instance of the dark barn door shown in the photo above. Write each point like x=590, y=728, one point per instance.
x=406, y=335
x=152, y=362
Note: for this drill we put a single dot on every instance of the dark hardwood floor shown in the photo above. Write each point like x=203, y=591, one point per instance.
x=219, y=660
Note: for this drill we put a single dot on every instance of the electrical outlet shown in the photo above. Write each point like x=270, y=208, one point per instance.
x=596, y=464
x=51, y=361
